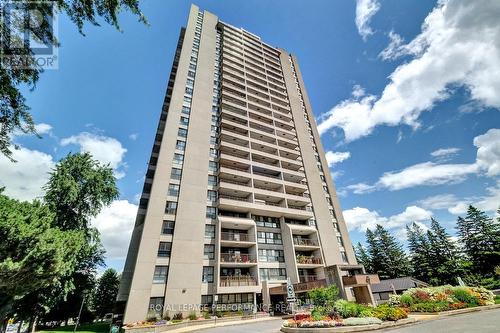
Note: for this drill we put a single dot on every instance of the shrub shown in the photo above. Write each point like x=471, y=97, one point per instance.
x=178, y=316
x=192, y=316
x=361, y=321
x=464, y=295
x=421, y=295
x=166, y=316
x=317, y=313
x=207, y=315
x=406, y=300
x=324, y=296
x=394, y=300
x=429, y=307
x=366, y=312
x=346, y=309
x=387, y=312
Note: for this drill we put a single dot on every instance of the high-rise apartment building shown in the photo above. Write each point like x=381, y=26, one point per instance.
x=238, y=196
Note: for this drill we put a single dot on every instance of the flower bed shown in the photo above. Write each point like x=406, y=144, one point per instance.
x=443, y=298
x=345, y=313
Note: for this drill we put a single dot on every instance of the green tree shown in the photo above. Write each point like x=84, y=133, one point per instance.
x=77, y=190
x=33, y=253
x=363, y=257
x=445, y=260
x=324, y=296
x=14, y=113
x=105, y=293
x=388, y=257
x=480, y=238
x=420, y=253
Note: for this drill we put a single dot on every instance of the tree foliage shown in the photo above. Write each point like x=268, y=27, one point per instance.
x=14, y=112
x=33, y=254
x=105, y=293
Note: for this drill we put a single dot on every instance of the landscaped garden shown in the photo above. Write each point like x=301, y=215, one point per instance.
x=329, y=311
x=444, y=298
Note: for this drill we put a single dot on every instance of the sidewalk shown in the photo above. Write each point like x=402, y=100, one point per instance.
x=222, y=324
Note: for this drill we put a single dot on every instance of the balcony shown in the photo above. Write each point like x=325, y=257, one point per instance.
x=237, y=258
x=306, y=260
x=305, y=242
x=360, y=280
x=232, y=197
x=308, y=278
x=236, y=237
x=237, y=281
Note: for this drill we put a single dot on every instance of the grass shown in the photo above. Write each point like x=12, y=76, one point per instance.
x=87, y=328
x=497, y=299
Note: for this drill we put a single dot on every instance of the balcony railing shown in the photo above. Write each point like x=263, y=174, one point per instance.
x=237, y=281
x=234, y=167
x=230, y=197
x=268, y=203
x=309, y=260
x=305, y=242
x=266, y=175
x=236, y=237
x=238, y=258
x=230, y=181
x=308, y=278
x=297, y=207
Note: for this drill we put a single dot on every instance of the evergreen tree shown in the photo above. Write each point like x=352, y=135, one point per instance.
x=394, y=262
x=480, y=238
x=373, y=251
x=363, y=258
x=445, y=259
x=420, y=253
x=105, y=293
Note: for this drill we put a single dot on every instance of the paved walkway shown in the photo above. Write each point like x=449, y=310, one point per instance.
x=264, y=325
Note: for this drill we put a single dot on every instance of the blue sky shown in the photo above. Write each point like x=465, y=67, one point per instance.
x=408, y=111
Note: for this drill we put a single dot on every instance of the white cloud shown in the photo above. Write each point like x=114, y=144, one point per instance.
x=43, y=128
x=360, y=218
x=445, y=152
x=104, y=149
x=24, y=179
x=431, y=173
x=441, y=201
x=488, y=151
x=365, y=9
x=459, y=46
x=393, y=48
x=133, y=136
x=337, y=157
x=115, y=223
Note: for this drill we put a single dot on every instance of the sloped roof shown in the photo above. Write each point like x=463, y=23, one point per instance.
x=402, y=283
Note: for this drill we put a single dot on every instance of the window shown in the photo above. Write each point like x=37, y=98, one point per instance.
x=180, y=145
x=213, y=152
x=268, y=255
x=211, y=212
x=209, y=231
x=268, y=238
x=190, y=82
x=187, y=99
x=167, y=227
x=208, y=274
x=213, y=140
x=269, y=274
x=164, y=249
x=322, y=178
x=209, y=251
x=339, y=240
x=173, y=190
x=176, y=173
x=207, y=300
x=182, y=132
x=236, y=298
x=212, y=180
x=193, y=67
x=156, y=305
x=188, y=90
x=213, y=166
x=336, y=226
x=211, y=195
x=171, y=207
x=160, y=275
x=184, y=120
x=186, y=109
x=344, y=256
x=178, y=159
x=266, y=221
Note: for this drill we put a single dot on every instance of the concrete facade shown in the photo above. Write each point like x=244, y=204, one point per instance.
x=238, y=195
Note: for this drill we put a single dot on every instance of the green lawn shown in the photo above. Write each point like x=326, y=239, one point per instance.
x=497, y=299
x=88, y=328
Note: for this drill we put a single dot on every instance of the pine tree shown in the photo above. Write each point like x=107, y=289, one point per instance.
x=394, y=262
x=480, y=238
x=363, y=258
x=105, y=292
x=445, y=260
x=374, y=252
x=420, y=253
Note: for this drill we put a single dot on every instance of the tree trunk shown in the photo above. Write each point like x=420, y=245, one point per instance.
x=32, y=324
x=20, y=326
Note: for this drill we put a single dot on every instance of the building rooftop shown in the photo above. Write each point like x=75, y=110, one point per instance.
x=402, y=283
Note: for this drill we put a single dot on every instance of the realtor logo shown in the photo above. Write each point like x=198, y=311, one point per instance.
x=29, y=35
